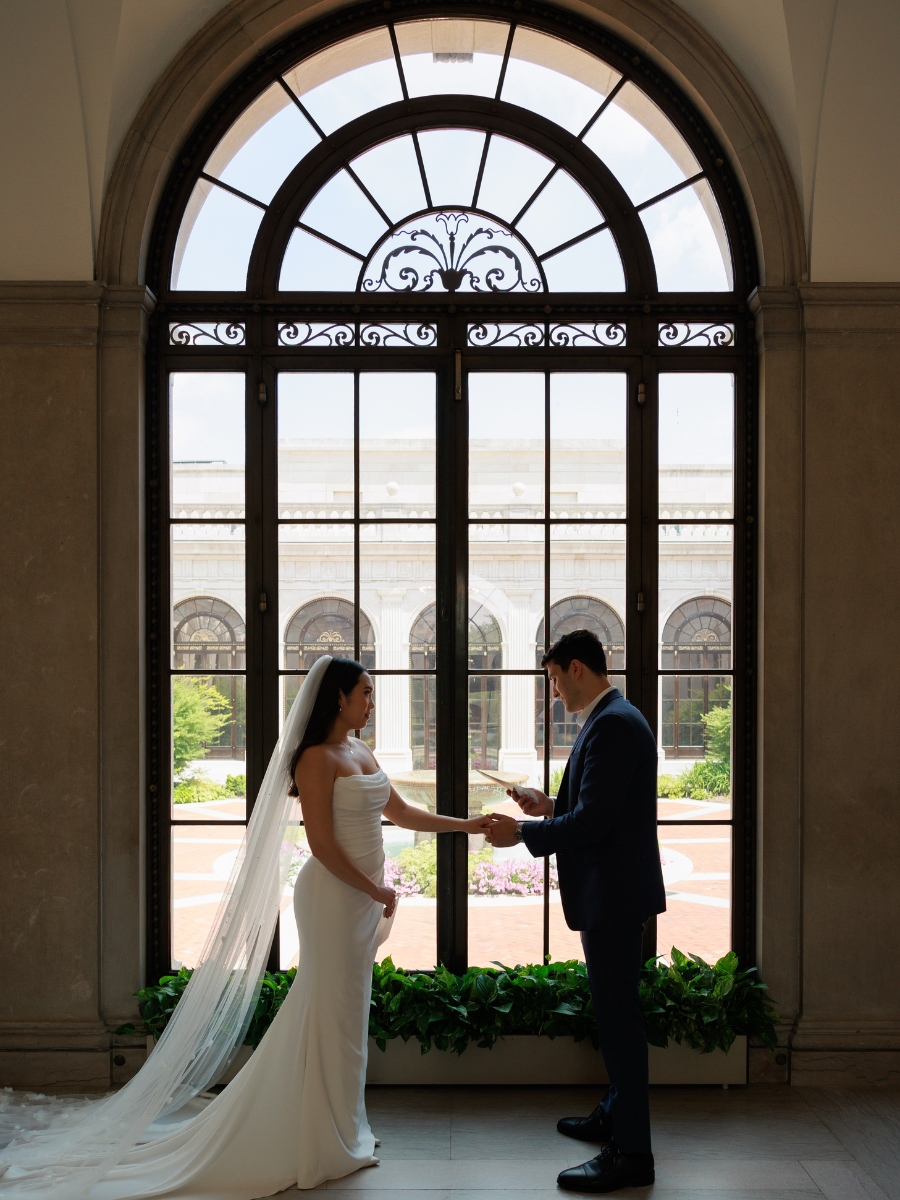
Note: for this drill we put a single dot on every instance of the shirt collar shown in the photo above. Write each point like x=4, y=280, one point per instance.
x=582, y=716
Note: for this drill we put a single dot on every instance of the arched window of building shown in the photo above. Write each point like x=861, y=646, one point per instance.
x=485, y=654
x=696, y=637
x=576, y=612
x=209, y=635
x=327, y=626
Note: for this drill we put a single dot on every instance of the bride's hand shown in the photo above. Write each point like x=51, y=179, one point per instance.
x=477, y=824
x=388, y=897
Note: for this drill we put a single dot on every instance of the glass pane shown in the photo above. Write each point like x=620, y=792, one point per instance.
x=208, y=632
x=587, y=443
x=206, y=413
x=506, y=444
x=315, y=603
x=397, y=444
x=397, y=574
x=343, y=211
x=641, y=146
x=217, y=233
x=697, y=872
x=263, y=146
x=696, y=445
x=209, y=739
x=695, y=738
x=311, y=265
x=506, y=598
x=315, y=444
x=410, y=866
x=202, y=860
x=452, y=158
x=391, y=173
x=512, y=172
x=446, y=57
x=557, y=80
x=348, y=79
x=289, y=941
x=592, y=265
x=587, y=588
x=561, y=211
x=209, y=733
x=506, y=886
x=689, y=242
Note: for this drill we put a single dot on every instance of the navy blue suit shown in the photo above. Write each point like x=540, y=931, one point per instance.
x=603, y=833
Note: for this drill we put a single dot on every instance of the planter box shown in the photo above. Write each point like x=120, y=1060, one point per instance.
x=537, y=1060
x=533, y=1060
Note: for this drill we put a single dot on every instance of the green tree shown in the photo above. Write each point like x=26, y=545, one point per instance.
x=199, y=714
x=717, y=733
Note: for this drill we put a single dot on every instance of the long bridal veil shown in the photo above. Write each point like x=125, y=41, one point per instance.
x=213, y=1015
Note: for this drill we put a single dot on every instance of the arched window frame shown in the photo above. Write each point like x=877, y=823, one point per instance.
x=644, y=314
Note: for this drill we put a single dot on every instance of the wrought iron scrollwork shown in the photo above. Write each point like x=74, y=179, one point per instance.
x=414, y=333
x=589, y=334
x=452, y=251
x=207, y=333
x=490, y=333
x=679, y=333
x=305, y=333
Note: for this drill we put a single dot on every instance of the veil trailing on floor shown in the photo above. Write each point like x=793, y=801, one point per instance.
x=210, y=1022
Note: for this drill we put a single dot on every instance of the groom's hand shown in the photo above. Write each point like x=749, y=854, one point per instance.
x=533, y=802
x=502, y=831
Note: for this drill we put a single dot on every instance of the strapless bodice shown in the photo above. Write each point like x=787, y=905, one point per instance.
x=358, y=803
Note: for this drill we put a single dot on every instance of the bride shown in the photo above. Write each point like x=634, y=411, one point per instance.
x=295, y=1114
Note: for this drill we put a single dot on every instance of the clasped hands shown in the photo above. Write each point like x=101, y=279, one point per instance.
x=499, y=829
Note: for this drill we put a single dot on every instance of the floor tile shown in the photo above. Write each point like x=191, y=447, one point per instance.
x=843, y=1180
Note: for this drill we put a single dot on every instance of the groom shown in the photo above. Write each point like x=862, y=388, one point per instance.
x=602, y=829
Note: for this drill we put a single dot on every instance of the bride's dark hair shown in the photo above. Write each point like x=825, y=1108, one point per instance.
x=341, y=676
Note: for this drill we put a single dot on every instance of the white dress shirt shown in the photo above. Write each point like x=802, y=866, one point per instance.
x=582, y=716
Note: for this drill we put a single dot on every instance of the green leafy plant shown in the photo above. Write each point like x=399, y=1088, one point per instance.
x=198, y=789
x=705, y=1005
x=717, y=733
x=199, y=714
x=704, y=781
x=157, y=1003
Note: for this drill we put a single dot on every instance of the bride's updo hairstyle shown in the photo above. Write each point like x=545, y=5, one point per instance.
x=341, y=677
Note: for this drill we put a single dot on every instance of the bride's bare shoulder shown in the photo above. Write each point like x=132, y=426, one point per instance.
x=317, y=763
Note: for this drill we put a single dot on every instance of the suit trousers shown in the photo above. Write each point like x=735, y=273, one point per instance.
x=613, y=957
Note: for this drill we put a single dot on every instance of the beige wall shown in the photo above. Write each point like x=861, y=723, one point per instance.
x=72, y=720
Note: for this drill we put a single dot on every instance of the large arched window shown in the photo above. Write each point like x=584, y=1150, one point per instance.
x=452, y=321
x=696, y=638
x=209, y=635
x=327, y=626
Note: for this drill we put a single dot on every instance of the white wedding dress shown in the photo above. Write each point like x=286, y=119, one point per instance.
x=295, y=1114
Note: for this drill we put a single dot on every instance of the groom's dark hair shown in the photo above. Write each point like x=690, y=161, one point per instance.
x=580, y=644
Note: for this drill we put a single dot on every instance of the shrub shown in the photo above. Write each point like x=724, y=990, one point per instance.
x=197, y=789
x=705, y=780
x=510, y=877
x=236, y=785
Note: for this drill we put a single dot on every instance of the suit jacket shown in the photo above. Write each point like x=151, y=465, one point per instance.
x=603, y=831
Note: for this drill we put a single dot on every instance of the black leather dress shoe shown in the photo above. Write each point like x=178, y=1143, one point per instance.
x=608, y=1172
x=595, y=1128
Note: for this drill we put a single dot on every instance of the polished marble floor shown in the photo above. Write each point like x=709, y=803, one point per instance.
x=765, y=1142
